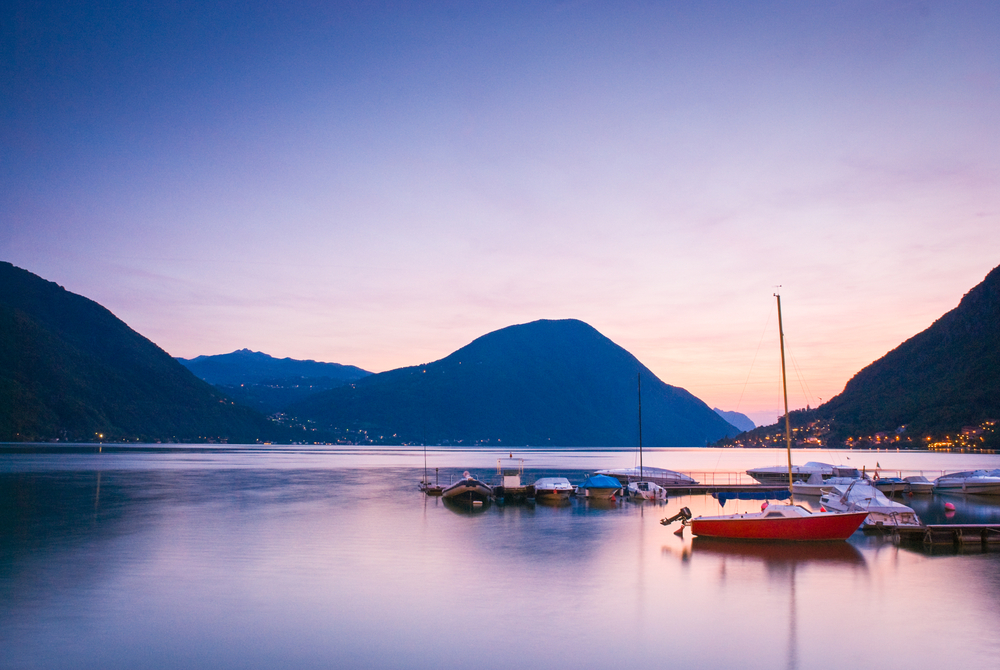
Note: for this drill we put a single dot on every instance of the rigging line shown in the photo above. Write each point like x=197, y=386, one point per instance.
x=762, y=334
x=750, y=372
x=798, y=373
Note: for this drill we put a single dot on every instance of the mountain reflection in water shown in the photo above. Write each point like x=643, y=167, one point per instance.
x=240, y=558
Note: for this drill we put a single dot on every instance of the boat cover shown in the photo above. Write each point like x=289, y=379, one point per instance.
x=600, y=482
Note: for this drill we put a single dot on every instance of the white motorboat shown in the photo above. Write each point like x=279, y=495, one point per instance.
x=815, y=485
x=918, y=484
x=660, y=476
x=553, y=488
x=646, y=490
x=468, y=489
x=983, y=482
x=778, y=474
x=861, y=495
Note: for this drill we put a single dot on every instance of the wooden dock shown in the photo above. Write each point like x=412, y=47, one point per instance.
x=679, y=489
x=953, y=534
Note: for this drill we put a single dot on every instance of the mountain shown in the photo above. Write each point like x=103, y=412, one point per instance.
x=557, y=383
x=266, y=383
x=933, y=385
x=70, y=369
x=940, y=380
x=741, y=421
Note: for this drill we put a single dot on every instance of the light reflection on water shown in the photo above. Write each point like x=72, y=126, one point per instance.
x=169, y=558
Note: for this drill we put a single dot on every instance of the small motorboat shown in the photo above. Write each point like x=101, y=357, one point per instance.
x=861, y=495
x=600, y=487
x=646, y=490
x=983, y=482
x=918, y=484
x=553, y=489
x=467, y=489
x=890, y=485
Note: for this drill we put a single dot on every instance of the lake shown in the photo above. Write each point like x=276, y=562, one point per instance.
x=169, y=556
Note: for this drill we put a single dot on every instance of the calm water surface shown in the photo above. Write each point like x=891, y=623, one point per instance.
x=259, y=557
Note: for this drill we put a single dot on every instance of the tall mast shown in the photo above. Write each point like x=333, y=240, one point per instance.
x=784, y=388
x=638, y=380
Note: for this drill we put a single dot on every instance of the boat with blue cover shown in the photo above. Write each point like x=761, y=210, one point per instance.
x=600, y=486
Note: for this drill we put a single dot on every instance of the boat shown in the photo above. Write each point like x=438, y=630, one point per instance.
x=778, y=522
x=983, y=482
x=646, y=490
x=787, y=523
x=818, y=483
x=918, y=484
x=647, y=483
x=862, y=495
x=660, y=476
x=890, y=485
x=600, y=487
x=553, y=489
x=511, y=488
x=778, y=474
x=467, y=489
x=815, y=485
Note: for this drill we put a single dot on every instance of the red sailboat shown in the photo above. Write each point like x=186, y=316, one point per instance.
x=791, y=522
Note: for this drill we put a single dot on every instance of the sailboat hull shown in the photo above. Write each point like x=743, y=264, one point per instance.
x=813, y=528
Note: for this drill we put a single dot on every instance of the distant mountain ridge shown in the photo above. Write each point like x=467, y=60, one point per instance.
x=266, y=383
x=71, y=370
x=741, y=421
x=558, y=383
x=253, y=367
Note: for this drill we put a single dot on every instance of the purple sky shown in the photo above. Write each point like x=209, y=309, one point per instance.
x=378, y=183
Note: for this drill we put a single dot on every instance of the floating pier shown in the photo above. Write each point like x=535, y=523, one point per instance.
x=953, y=534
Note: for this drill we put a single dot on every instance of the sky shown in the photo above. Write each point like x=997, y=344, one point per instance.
x=379, y=183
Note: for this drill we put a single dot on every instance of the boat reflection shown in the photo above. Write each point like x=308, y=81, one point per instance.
x=553, y=502
x=466, y=507
x=780, y=554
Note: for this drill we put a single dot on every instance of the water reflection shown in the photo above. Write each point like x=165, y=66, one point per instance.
x=780, y=556
x=466, y=507
x=175, y=563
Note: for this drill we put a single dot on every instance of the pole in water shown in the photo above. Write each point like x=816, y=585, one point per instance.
x=638, y=380
x=784, y=388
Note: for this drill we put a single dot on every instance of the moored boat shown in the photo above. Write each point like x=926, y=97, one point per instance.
x=890, y=485
x=862, y=495
x=646, y=490
x=815, y=485
x=600, y=487
x=982, y=482
x=467, y=489
x=918, y=484
x=785, y=523
x=511, y=488
x=778, y=474
x=660, y=476
x=553, y=489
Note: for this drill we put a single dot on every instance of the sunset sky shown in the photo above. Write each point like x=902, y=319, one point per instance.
x=379, y=183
